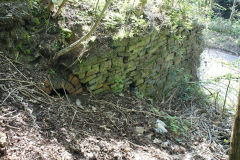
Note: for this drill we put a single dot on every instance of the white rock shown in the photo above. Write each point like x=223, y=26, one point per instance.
x=78, y=103
x=160, y=127
x=140, y=130
x=157, y=141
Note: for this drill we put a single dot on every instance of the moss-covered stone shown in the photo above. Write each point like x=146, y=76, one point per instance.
x=147, y=62
x=104, y=66
x=98, y=79
x=87, y=79
x=133, y=57
x=101, y=90
x=119, y=43
x=117, y=62
x=95, y=86
x=94, y=69
x=120, y=49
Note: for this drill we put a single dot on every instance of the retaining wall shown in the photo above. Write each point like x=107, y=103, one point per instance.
x=152, y=64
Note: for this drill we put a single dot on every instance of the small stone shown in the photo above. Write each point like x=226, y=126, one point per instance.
x=195, y=143
x=149, y=136
x=182, y=150
x=94, y=109
x=157, y=141
x=165, y=145
x=78, y=103
x=3, y=143
x=177, y=149
x=121, y=95
x=160, y=127
x=140, y=130
x=3, y=139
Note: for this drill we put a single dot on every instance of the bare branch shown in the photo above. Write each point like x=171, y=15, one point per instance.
x=84, y=38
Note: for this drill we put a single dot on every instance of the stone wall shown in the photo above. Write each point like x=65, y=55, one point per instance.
x=152, y=64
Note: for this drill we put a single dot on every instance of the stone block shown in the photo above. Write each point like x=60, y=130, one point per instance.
x=95, y=86
x=119, y=42
x=145, y=73
x=122, y=54
x=140, y=41
x=98, y=79
x=141, y=53
x=100, y=59
x=75, y=82
x=78, y=91
x=130, y=69
x=134, y=40
x=117, y=62
x=120, y=49
x=81, y=75
x=106, y=86
x=134, y=49
x=133, y=57
x=83, y=68
x=69, y=88
x=80, y=72
x=130, y=64
x=139, y=81
x=94, y=69
x=108, y=54
x=104, y=66
x=100, y=90
x=87, y=79
x=133, y=73
x=90, y=61
x=169, y=57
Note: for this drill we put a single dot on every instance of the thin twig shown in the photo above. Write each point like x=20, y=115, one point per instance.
x=14, y=66
x=225, y=99
x=73, y=118
x=9, y=94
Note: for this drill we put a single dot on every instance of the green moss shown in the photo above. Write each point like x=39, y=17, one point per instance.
x=26, y=36
x=67, y=33
x=28, y=51
x=37, y=21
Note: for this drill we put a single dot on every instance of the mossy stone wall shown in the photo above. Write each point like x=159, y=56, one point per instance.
x=152, y=64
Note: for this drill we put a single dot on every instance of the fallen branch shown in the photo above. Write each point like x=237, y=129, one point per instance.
x=225, y=99
x=59, y=9
x=84, y=38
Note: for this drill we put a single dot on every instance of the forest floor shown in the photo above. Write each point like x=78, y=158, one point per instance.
x=35, y=125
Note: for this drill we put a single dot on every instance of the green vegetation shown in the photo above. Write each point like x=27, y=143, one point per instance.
x=118, y=85
x=221, y=32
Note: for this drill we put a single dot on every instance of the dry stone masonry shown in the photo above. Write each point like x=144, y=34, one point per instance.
x=152, y=64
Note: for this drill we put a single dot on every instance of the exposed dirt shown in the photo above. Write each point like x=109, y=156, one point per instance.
x=110, y=126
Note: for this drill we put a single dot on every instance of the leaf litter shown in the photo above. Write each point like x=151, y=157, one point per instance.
x=106, y=126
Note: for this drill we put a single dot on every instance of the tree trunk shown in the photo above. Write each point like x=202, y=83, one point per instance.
x=235, y=140
x=233, y=11
x=84, y=38
x=211, y=4
x=59, y=9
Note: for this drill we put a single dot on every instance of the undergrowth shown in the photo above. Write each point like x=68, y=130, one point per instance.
x=222, y=34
